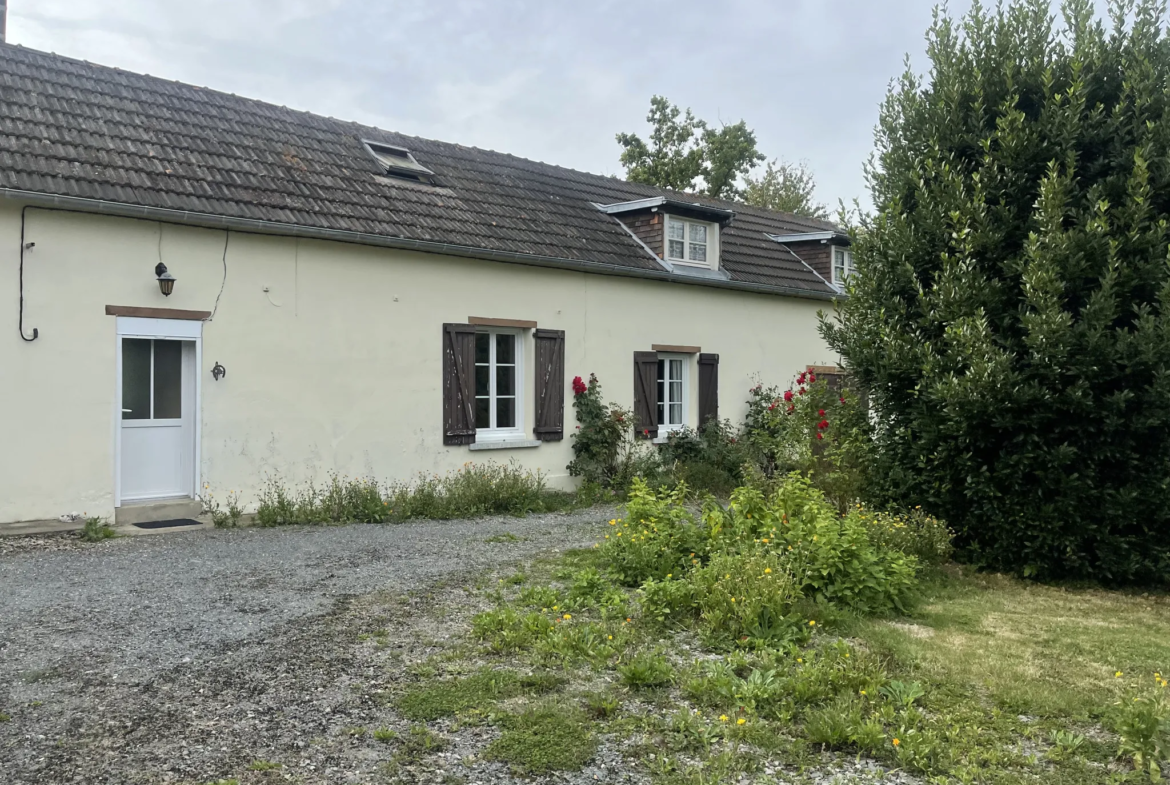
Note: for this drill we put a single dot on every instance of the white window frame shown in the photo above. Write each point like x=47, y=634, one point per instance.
x=712, y=262
x=847, y=265
x=685, y=362
x=516, y=432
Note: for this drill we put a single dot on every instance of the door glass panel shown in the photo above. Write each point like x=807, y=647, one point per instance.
x=483, y=348
x=482, y=380
x=168, y=380
x=483, y=412
x=135, y=379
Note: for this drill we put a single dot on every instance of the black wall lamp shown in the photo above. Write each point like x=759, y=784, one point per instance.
x=166, y=281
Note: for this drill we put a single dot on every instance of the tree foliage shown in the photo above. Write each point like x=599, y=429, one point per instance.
x=1009, y=319
x=787, y=187
x=683, y=149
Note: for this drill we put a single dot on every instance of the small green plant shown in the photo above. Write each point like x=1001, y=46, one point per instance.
x=357, y=731
x=5, y=717
x=1065, y=744
x=506, y=537
x=264, y=765
x=97, y=529
x=601, y=705
x=506, y=629
x=646, y=670
x=221, y=518
x=544, y=739
x=385, y=735
x=1141, y=721
x=903, y=694
x=477, y=691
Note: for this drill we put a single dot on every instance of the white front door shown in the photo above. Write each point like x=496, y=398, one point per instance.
x=157, y=433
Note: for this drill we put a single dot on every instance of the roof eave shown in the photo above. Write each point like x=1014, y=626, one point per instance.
x=667, y=204
x=257, y=226
x=832, y=236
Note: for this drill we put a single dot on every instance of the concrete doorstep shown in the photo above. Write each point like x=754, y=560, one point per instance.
x=124, y=519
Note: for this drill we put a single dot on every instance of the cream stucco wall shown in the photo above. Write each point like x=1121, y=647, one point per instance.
x=336, y=366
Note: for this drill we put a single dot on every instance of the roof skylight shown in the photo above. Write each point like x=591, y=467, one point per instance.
x=399, y=162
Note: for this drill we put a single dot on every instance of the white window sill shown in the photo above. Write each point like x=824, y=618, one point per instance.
x=505, y=444
x=665, y=437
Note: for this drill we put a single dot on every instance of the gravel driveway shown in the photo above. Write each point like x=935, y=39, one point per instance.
x=183, y=657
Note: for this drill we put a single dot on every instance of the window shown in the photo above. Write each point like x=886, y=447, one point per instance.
x=691, y=242
x=842, y=265
x=152, y=379
x=672, y=392
x=498, y=410
x=400, y=163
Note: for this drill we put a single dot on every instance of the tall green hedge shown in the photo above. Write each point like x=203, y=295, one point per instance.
x=1009, y=317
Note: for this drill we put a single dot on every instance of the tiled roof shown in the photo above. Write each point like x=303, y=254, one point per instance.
x=76, y=129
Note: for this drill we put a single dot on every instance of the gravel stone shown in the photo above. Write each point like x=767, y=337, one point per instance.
x=184, y=657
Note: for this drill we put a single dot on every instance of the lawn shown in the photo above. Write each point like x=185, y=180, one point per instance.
x=984, y=679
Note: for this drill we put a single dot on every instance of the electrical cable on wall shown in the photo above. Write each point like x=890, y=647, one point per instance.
x=23, y=247
x=227, y=236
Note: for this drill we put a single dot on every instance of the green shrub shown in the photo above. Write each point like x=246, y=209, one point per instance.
x=658, y=536
x=914, y=533
x=831, y=556
x=1010, y=312
x=712, y=460
x=748, y=597
x=473, y=491
x=605, y=450
x=479, y=691
x=1141, y=720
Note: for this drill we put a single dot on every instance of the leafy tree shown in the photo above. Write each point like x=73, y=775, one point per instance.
x=1010, y=318
x=682, y=149
x=787, y=187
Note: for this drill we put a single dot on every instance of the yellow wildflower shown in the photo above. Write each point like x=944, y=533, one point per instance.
x=567, y=617
x=740, y=721
x=767, y=570
x=812, y=623
x=897, y=742
x=723, y=718
x=1117, y=675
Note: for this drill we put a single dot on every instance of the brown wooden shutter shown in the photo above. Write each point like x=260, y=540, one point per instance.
x=550, y=385
x=708, y=388
x=458, y=384
x=646, y=395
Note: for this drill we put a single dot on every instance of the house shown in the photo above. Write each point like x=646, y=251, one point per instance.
x=202, y=290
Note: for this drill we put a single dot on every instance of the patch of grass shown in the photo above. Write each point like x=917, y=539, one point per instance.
x=264, y=765
x=646, y=670
x=1036, y=650
x=505, y=537
x=602, y=705
x=475, y=490
x=543, y=739
x=418, y=743
x=478, y=691
x=97, y=529
x=5, y=717
x=385, y=735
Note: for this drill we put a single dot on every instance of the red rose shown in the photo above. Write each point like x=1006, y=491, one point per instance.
x=800, y=379
x=823, y=424
x=645, y=431
x=820, y=436
x=802, y=391
x=842, y=399
x=772, y=406
x=821, y=412
x=787, y=396
x=578, y=386
x=811, y=378
x=791, y=409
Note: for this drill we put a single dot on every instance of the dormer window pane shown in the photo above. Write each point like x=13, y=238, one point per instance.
x=688, y=242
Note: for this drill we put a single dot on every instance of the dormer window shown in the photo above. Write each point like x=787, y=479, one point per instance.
x=691, y=242
x=399, y=163
x=842, y=265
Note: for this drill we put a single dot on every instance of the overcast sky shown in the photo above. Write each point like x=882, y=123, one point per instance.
x=546, y=79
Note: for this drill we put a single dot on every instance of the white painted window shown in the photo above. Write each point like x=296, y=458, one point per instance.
x=499, y=375
x=842, y=265
x=692, y=242
x=672, y=392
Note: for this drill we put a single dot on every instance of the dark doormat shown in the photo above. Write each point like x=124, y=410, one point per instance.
x=168, y=524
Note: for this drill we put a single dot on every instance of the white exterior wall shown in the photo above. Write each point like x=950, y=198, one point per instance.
x=337, y=366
